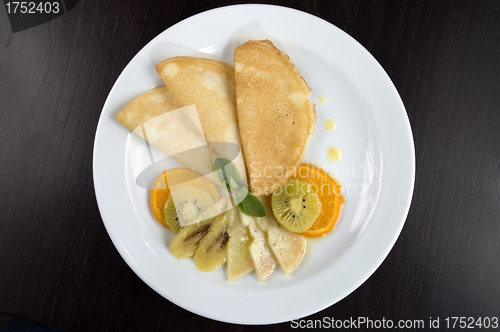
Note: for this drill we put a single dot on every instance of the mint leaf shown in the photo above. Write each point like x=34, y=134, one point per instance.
x=233, y=184
x=240, y=195
x=251, y=205
x=219, y=164
x=228, y=175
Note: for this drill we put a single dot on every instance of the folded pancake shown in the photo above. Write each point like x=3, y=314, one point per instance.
x=276, y=118
x=147, y=106
x=156, y=116
x=208, y=84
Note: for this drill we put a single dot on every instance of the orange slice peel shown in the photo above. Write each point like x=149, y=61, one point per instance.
x=329, y=192
x=177, y=177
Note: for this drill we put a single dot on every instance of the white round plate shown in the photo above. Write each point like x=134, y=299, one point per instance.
x=377, y=168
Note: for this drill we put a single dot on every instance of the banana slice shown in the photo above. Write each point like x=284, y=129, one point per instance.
x=188, y=239
x=262, y=256
x=212, y=251
x=239, y=261
x=288, y=247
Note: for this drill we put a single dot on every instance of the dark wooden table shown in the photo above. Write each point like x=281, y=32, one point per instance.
x=57, y=263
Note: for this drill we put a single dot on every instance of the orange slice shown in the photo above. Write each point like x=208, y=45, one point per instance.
x=330, y=196
x=177, y=177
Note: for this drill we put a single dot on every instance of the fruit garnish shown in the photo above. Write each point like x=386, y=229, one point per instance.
x=249, y=205
x=296, y=206
x=159, y=197
x=228, y=174
x=185, y=205
x=245, y=200
x=170, y=216
x=178, y=177
x=186, y=242
x=239, y=260
x=288, y=247
x=330, y=195
x=212, y=250
x=262, y=257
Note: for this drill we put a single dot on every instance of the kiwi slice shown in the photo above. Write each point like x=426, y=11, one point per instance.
x=171, y=217
x=212, y=251
x=296, y=206
x=186, y=242
x=186, y=204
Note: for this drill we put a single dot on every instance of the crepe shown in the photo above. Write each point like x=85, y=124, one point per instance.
x=147, y=106
x=208, y=84
x=176, y=131
x=276, y=118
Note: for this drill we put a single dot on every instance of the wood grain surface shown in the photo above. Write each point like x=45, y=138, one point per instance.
x=57, y=263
